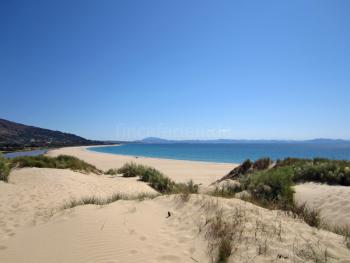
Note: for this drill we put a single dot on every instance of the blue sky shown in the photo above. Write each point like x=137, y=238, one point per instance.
x=178, y=69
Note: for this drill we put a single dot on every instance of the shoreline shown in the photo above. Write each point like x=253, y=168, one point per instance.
x=147, y=157
x=178, y=170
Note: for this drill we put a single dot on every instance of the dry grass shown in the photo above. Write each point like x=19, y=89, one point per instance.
x=59, y=162
x=4, y=169
x=222, y=233
x=312, y=253
x=309, y=215
x=232, y=231
x=111, y=172
x=100, y=201
x=226, y=190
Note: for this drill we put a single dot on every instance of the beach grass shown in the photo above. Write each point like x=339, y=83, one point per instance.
x=59, y=162
x=111, y=172
x=156, y=179
x=320, y=170
x=4, y=169
x=101, y=201
x=226, y=190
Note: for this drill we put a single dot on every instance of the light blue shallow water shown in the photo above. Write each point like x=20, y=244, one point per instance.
x=230, y=153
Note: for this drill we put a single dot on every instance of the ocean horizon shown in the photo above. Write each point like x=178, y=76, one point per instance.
x=229, y=153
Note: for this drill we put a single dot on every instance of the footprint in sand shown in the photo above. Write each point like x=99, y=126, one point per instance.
x=166, y=244
x=11, y=234
x=3, y=247
x=133, y=251
x=143, y=238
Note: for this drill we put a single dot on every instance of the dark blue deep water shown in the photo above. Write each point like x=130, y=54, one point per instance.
x=231, y=153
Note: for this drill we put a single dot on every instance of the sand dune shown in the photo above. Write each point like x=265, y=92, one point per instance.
x=34, y=228
x=333, y=201
x=133, y=231
x=33, y=194
x=180, y=171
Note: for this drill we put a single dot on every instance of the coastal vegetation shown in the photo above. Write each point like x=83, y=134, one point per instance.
x=156, y=179
x=100, y=201
x=59, y=162
x=111, y=172
x=271, y=185
x=4, y=169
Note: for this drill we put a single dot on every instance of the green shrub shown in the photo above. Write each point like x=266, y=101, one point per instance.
x=156, y=179
x=4, y=169
x=111, y=172
x=153, y=177
x=274, y=185
x=186, y=188
x=291, y=162
x=262, y=164
x=132, y=170
x=226, y=190
x=319, y=170
x=59, y=162
x=329, y=172
x=246, y=165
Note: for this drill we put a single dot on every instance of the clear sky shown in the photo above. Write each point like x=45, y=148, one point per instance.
x=178, y=69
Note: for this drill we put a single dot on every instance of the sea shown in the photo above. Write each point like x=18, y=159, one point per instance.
x=230, y=153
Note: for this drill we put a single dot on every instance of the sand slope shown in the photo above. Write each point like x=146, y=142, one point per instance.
x=32, y=194
x=180, y=171
x=333, y=201
x=134, y=231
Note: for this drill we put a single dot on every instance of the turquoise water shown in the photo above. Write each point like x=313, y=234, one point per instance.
x=230, y=153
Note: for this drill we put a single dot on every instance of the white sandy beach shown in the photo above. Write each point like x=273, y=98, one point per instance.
x=34, y=228
x=178, y=170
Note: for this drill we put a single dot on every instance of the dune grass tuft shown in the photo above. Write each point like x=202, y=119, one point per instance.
x=224, y=233
x=320, y=170
x=156, y=179
x=262, y=163
x=59, y=162
x=4, y=169
x=226, y=190
x=272, y=186
x=132, y=170
x=111, y=172
x=100, y=201
x=308, y=215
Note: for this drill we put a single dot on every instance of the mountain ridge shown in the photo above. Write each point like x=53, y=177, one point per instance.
x=17, y=136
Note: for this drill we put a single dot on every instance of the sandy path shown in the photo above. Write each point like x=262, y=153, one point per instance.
x=333, y=201
x=180, y=171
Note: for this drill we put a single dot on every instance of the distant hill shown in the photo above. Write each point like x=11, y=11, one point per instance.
x=223, y=141
x=15, y=136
